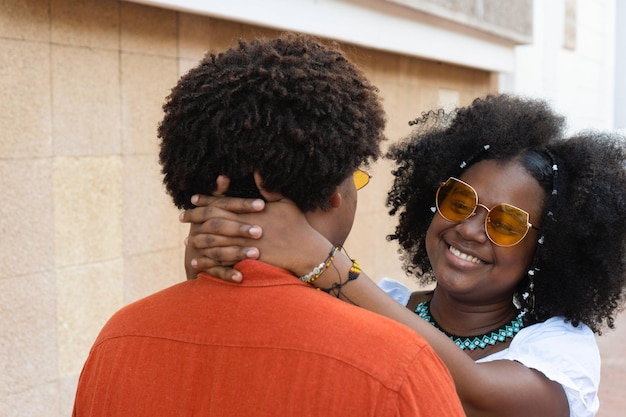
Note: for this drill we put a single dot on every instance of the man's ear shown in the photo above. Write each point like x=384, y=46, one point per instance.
x=269, y=196
x=336, y=199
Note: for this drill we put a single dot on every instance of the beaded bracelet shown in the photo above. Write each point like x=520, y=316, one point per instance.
x=355, y=271
x=319, y=270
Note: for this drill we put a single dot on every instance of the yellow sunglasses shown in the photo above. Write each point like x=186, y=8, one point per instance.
x=361, y=178
x=505, y=225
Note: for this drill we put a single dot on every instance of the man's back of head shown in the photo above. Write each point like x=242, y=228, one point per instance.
x=292, y=109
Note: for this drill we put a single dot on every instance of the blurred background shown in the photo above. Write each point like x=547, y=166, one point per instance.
x=85, y=224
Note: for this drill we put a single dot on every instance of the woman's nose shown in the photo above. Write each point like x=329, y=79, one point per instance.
x=473, y=228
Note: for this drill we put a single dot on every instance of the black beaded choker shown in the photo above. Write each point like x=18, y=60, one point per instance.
x=479, y=341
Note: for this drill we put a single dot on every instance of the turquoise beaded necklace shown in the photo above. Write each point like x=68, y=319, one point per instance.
x=475, y=342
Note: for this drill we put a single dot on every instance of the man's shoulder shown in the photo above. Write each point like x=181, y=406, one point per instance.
x=143, y=313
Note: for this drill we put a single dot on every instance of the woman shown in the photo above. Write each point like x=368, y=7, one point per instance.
x=522, y=231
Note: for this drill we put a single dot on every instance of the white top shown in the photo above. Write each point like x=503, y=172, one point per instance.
x=563, y=353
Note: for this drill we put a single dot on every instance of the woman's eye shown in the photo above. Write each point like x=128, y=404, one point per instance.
x=504, y=228
x=461, y=206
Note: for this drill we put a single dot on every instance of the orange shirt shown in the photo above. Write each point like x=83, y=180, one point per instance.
x=271, y=346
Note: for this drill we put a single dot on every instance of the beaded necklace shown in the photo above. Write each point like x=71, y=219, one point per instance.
x=480, y=341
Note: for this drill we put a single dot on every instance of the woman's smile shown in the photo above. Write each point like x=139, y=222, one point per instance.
x=464, y=256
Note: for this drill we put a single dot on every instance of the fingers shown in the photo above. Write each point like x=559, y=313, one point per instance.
x=234, y=204
x=219, y=261
x=204, y=242
x=215, y=250
x=223, y=272
x=229, y=255
x=224, y=207
x=212, y=262
x=222, y=232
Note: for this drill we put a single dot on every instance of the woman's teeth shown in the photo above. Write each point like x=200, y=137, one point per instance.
x=464, y=256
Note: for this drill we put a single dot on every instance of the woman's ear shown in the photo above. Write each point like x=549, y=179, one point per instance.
x=269, y=196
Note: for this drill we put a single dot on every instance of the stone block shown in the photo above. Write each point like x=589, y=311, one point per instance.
x=24, y=19
x=86, y=101
x=87, y=209
x=87, y=296
x=148, y=30
x=148, y=273
x=67, y=393
x=193, y=36
x=146, y=82
x=150, y=218
x=28, y=350
x=25, y=110
x=35, y=401
x=90, y=23
x=26, y=219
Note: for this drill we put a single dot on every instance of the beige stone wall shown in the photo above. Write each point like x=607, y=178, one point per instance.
x=85, y=223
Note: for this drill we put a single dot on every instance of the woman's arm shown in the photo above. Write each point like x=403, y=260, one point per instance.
x=499, y=388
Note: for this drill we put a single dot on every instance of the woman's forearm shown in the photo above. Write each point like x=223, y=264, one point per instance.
x=366, y=294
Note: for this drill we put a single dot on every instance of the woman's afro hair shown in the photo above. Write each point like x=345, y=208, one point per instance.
x=581, y=265
x=293, y=109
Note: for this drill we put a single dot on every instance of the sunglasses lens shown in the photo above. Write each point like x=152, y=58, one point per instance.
x=361, y=179
x=506, y=225
x=455, y=201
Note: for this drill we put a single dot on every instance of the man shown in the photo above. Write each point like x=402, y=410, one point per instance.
x=295, y=117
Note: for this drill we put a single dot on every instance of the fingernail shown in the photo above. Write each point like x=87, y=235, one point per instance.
x=181, y=216
x=186, y=241
x=194, y=198
x=236, y=277
x=255, y=231
x=252, y=253
x=257, y=204
x=194, y=262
